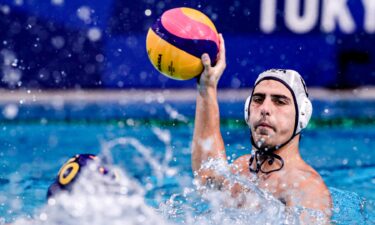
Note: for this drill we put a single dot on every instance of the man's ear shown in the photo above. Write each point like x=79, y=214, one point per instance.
x=247, y=110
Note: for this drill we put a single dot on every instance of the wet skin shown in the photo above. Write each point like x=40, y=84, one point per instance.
x=272, y=121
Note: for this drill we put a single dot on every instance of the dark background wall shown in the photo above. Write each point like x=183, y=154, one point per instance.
x=101, y=44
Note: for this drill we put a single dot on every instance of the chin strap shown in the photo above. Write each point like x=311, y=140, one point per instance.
x=266, y=154
x=260, y=157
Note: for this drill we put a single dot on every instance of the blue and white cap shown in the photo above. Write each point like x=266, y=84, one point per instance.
x=295, y=83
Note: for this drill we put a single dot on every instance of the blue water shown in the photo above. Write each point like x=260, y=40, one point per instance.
x=339, y=145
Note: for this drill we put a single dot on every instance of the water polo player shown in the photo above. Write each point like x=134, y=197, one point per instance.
x=70, y=172
x=277, y=111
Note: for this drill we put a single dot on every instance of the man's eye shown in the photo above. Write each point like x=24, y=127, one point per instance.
x=257, y=100
x=280, y=102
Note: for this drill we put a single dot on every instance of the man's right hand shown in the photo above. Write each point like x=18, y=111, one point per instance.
x=207, y=140
x=211, y=74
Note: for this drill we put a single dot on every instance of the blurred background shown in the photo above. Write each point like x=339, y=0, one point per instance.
x=62, y=44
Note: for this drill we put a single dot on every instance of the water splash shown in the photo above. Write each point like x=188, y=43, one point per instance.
x=165, y=137
x=174, y=114
x=96, y=199
x=143, y=150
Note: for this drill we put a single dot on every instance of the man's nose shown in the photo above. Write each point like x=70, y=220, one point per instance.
x=266, y=108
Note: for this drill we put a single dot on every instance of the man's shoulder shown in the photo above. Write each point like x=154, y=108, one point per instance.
x=307, y=188
x=241, y=165
x=308, y=181
x=305, y=175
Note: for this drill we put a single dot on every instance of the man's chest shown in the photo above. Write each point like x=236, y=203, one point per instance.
x=275, y=185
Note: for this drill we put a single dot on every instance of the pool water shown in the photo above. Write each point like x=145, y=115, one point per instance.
x=37, y=140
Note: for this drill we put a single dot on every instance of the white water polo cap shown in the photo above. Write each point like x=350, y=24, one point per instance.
x=295, y=83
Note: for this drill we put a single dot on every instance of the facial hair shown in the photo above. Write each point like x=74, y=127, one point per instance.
x=263, y=134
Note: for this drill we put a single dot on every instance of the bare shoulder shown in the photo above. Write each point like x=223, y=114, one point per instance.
x=307, y=189
x=241, y=165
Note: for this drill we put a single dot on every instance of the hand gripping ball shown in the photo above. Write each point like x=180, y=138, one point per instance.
x=177, y=40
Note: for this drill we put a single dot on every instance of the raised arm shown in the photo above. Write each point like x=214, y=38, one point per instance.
x=207, y=139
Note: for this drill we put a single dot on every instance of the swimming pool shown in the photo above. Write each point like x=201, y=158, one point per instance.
x=39, y=136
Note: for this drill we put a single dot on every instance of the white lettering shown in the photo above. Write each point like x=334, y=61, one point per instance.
x=297, y=23
x=369, y=6
x=336, y=11
x=268, y=15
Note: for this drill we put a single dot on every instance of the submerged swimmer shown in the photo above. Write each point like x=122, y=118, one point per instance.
x=276, y=112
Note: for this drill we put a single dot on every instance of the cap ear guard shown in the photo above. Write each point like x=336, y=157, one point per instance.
x=305, y=112
x=246, y=110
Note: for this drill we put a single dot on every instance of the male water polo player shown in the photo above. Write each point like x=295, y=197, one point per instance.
x=70, y=172
x=68, y=176
x=277, y=111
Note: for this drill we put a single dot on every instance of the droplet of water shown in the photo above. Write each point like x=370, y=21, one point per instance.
x=5, y=9
x=8, y=57
x=18, y=2
x=43, y=216
x=57, y=2
x=58, y=42
x=84, y=13
x=99, y=58
x=148, y=12
x=10, y=111
x=130, y=122
x=11, y=76
x=94, y=34
x=14, y=63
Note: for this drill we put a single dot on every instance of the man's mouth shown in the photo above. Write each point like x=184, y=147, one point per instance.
x=263, y=125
